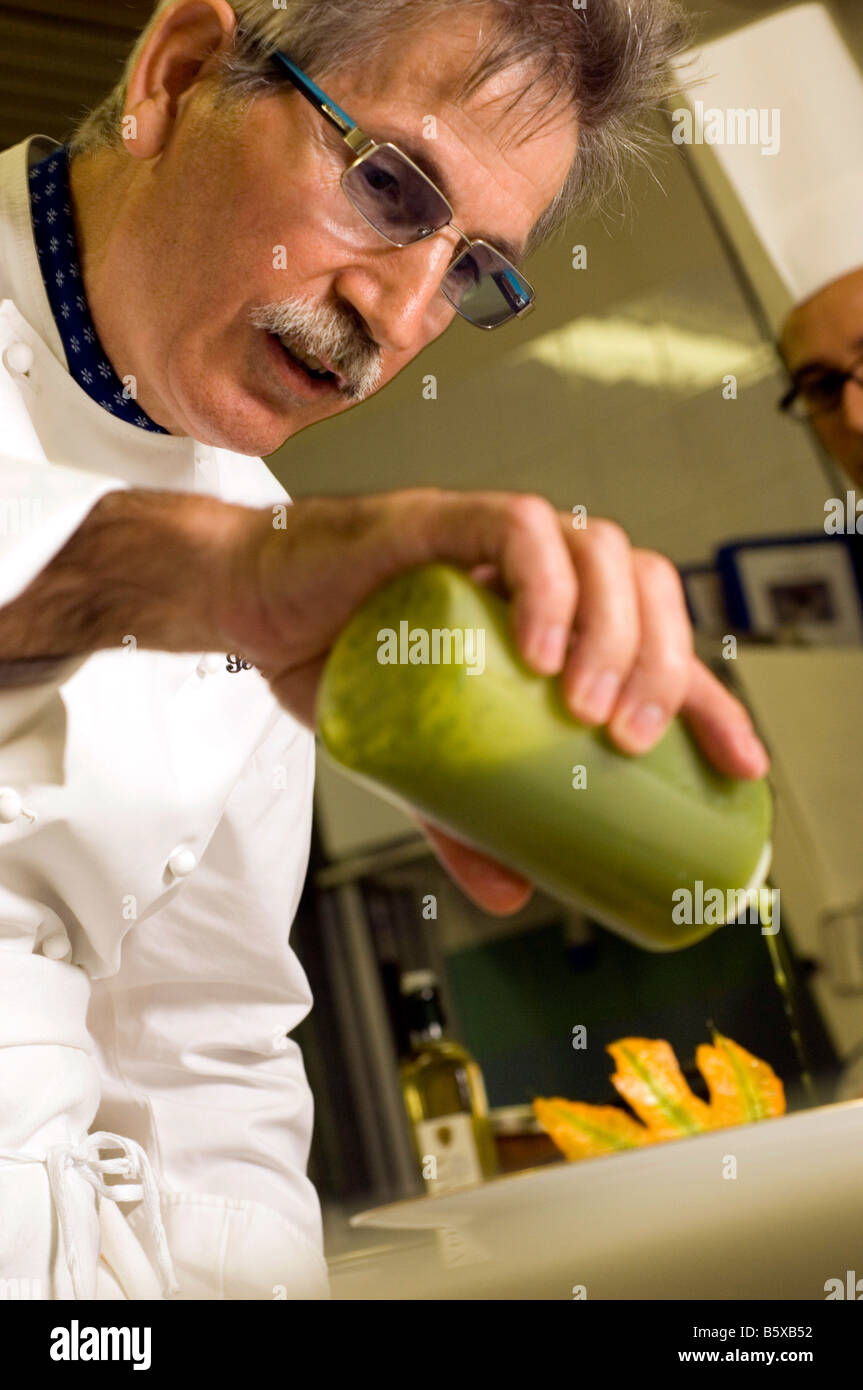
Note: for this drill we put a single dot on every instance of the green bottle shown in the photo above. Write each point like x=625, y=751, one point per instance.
x=426, y=697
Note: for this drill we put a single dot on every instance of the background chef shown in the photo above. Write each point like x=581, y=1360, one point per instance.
x=155, y=814
x=796, y=216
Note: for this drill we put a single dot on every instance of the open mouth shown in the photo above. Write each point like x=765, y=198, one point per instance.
x=311, y=367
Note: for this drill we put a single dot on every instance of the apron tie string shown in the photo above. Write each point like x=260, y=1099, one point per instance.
x=134, y=1165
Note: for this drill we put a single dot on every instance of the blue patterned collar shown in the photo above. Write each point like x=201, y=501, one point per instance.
x=57, y=248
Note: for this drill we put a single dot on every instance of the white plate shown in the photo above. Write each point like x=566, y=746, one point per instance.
x=767, y=1210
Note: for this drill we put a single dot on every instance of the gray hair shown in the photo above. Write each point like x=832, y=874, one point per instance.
x=611, y=61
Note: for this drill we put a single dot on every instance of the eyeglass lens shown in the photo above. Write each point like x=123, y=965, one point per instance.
x=401, y=204
x=483, y=286
x=394, y=198
x=822, y=392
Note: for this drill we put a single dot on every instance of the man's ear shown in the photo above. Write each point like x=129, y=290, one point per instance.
x=182, y=48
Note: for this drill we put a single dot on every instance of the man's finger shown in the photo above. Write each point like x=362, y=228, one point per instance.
x=521, y=535
x=607, y=621
x=722, y=726
x=659, y=680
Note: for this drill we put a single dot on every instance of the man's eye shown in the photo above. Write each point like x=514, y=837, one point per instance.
x=466, y=271
x=381, y=182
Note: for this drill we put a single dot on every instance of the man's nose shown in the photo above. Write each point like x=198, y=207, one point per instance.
x=397, y=290
x=852, y=405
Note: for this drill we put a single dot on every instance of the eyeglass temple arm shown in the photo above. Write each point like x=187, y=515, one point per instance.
x=350, y=131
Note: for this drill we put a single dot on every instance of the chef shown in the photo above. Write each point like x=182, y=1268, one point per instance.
x=822, y=346
x=204, y=272
x=795, y=214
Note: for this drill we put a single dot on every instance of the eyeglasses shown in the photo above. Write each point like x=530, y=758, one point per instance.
x=393, y=195
x=817, y=392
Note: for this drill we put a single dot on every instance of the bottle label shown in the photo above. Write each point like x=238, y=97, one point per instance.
x=448, y=1153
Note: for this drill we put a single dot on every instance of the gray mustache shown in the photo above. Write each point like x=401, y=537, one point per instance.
x=320, y=333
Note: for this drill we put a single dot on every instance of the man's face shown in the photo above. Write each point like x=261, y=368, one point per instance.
x=827, y=332
x=202, y=223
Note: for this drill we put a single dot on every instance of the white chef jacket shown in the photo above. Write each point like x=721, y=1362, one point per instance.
x=155, y=814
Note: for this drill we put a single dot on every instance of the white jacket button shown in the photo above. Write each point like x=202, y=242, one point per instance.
x=210, y=663
x=55, y=947
x=182, y=862
x=11, y=805
x=18, y=357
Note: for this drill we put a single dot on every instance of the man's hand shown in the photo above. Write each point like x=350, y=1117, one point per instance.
x=611, y=621
x=185, y=572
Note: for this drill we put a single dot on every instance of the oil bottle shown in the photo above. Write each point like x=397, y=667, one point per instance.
x=444, y=1095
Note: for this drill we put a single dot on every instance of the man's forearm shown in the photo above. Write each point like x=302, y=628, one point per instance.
x=152, y=565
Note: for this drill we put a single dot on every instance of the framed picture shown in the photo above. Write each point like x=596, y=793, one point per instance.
x=804, y=587
x=705, y=599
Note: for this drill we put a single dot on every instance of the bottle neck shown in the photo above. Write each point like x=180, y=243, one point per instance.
x=431, y=1032
x=423, y=1016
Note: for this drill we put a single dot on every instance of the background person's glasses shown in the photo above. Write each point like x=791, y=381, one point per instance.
x=395, y=197
x=819, y=391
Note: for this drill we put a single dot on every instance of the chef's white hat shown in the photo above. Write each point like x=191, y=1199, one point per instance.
x=789, y=187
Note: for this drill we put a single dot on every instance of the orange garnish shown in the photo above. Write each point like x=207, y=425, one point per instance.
x=742, y=1089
